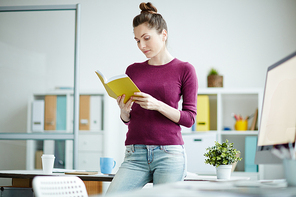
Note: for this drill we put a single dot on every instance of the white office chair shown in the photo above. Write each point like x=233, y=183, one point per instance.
x=59, y=186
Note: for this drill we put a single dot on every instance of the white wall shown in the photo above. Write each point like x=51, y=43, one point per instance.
x=240, y=38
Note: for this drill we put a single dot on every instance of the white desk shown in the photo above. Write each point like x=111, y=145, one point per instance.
x=30, y=174
x=23, y=179
x=192, y=186
x=212, y=189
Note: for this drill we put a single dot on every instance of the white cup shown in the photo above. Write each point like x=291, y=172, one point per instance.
x=47, y=163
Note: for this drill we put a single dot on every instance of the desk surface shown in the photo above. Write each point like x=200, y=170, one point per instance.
x=211, y=189
x=30, y=174
x=193, y=186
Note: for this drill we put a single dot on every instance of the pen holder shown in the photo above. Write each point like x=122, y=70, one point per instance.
x=241, y=125
x=290, y=171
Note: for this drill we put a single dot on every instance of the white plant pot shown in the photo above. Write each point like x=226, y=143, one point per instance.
x=223, y=171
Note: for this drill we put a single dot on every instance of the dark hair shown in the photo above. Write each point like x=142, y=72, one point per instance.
x=150, y=16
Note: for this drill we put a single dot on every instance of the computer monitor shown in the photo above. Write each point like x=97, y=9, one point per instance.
x=278, y=116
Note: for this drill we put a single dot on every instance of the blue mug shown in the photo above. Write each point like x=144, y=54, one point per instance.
x=107, y=164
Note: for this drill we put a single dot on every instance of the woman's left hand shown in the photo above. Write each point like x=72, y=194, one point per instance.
x=146, y=101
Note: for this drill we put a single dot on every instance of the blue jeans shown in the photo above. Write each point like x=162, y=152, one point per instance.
x=144, y=163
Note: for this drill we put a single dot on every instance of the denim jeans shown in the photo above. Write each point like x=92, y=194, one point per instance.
x=144, y=163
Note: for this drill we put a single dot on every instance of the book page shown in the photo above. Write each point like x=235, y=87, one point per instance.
x=101, y=76
x=116, y=77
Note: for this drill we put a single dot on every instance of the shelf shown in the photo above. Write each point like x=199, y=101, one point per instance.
x=199, y=132
x=223, y=132
x=229, y=91
x=88, y=132
x=223, y=102
x=239, y=132
x=60, y=138
x=37, y=136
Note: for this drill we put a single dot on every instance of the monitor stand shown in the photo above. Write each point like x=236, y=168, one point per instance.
x=271, y=171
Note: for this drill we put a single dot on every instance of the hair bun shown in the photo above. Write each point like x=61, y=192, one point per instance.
x=148, y=7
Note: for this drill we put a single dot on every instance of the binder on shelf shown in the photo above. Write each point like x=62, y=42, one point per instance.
x=37, y=115
x=61, y=116
x=193, y=128
x=59, y=153
x=70, y=105
x=95, y=113
x=50, y=110
x=203, y=113
x=90, y=113
x=250, y=151
x=84, y=112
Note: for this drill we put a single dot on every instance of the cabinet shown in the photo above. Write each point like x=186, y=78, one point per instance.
x=52, y=113
x=223, y=103
x=90, y=149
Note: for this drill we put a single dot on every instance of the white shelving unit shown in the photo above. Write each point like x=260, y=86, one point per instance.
x=90, y=141
x=223, y=102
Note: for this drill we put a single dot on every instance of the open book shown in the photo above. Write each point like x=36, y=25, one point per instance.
x=118, y=85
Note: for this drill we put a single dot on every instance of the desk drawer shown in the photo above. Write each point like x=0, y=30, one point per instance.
x=195, y=145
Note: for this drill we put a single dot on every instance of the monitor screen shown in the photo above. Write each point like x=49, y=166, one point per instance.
x=278, y=117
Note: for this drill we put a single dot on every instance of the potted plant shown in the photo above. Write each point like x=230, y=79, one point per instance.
x=214, y=79
x=222, y=156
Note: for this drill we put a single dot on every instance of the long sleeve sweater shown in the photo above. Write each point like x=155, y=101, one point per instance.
x=167, y=83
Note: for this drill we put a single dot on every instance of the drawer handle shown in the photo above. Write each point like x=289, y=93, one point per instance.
x=197, y=140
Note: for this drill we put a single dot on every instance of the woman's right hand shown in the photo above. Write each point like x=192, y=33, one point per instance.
x=125, y=108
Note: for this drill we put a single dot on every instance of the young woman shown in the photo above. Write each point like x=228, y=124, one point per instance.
x=154, y=144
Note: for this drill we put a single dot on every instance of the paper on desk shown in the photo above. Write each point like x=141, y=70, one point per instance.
x=191, y=175
x=59, y=170
x=195, y=177
x=74, y=172
x=82, y=173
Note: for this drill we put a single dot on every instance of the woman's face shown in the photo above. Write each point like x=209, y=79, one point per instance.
x=149, y=41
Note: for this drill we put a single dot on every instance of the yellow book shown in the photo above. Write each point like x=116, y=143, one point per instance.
x=118, y=85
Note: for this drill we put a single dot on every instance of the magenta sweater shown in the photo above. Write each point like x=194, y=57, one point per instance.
x=166, y=83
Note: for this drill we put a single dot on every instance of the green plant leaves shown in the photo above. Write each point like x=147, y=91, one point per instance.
x=213, y=72
x=222, y=154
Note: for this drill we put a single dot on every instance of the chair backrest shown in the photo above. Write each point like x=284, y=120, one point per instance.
x=59, y=186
